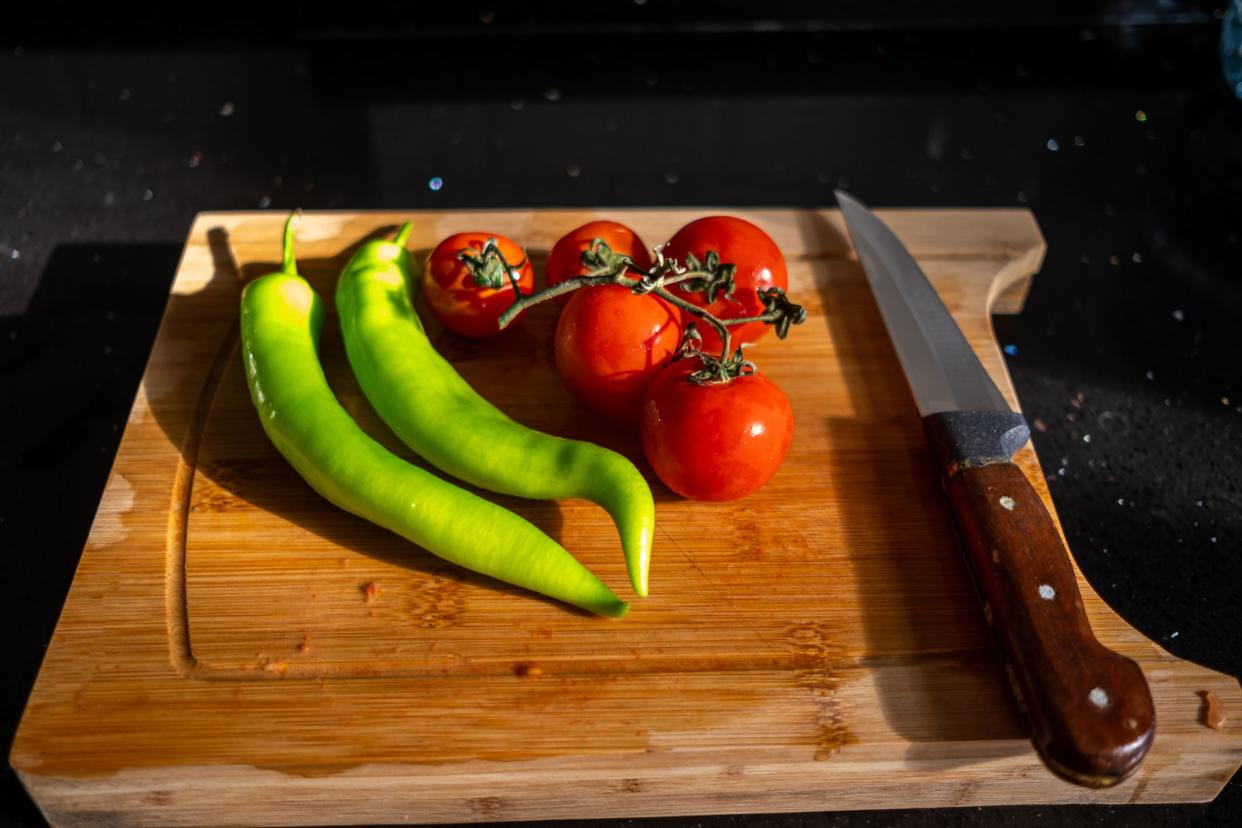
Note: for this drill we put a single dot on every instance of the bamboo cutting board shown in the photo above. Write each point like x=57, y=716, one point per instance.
x=236, y=650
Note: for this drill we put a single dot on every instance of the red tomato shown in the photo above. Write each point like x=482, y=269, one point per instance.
x=759, y=265
x=565, y=261
x=714, y=442
x=460, y=303
x=610, y=344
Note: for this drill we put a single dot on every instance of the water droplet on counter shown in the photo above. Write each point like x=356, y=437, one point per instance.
x=1052, y=145
x=1079, y=141
x=435, y=184
x=573, y=170
x=227, y=109
x=265, y=202
x=147, y=195
x=552, y=93
x=1178, y=315
x=672, y=177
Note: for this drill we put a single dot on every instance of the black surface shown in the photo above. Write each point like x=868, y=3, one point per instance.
x=1120, y=135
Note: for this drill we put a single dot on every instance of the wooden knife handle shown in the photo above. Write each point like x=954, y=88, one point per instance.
x=1089, y=708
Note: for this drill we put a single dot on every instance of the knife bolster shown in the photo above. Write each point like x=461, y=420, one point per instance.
x=969, y=439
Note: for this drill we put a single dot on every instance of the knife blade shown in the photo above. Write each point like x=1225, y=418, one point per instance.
x=1089, y=708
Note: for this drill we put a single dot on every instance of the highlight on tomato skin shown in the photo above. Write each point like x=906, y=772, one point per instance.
x=759, y=263
x=718, y=441
x=565, y=260
x=453, y=293
x=610, y=344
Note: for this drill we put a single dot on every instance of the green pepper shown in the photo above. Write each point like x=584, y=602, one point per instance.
x=436, y=413
x=281, y=319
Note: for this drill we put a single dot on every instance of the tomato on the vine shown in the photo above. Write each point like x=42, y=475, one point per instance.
x=565, y=261
x=468, y=296
x=759, y=265
x=717, y=441
x=610, y=343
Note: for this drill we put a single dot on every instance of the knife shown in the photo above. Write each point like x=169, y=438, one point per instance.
x=1089, y=709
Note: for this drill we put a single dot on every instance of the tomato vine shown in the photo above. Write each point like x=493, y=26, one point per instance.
x=710, y=276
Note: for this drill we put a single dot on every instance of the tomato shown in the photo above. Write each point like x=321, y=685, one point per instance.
x=565, y=261
x=759, y=265
x=460, y=303
x=610, y=343
x=714, y=442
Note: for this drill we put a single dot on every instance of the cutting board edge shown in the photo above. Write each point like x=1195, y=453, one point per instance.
x=490, y=792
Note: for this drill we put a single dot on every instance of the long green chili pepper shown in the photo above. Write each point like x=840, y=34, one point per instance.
x=437, y=414
x=281, y=319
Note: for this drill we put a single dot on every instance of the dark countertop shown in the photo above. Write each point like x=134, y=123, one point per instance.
x=1119, y=134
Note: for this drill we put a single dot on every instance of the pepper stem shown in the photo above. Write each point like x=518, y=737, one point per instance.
x=289, y=263
x=403, y=235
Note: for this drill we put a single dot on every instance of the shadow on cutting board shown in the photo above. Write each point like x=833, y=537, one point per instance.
x=264, y=479
x=935, y=675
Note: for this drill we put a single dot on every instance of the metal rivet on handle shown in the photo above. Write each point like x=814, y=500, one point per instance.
x=1099, y=697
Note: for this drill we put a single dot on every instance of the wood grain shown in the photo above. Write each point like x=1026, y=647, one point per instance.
x=217, y=660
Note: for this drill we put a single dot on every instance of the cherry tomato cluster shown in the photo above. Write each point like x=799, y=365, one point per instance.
x=712, y=428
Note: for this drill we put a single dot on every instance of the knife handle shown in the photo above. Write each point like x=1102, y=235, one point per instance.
x=1089, y=708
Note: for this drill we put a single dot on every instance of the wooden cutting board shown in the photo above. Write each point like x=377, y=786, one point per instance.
x=815, y=646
